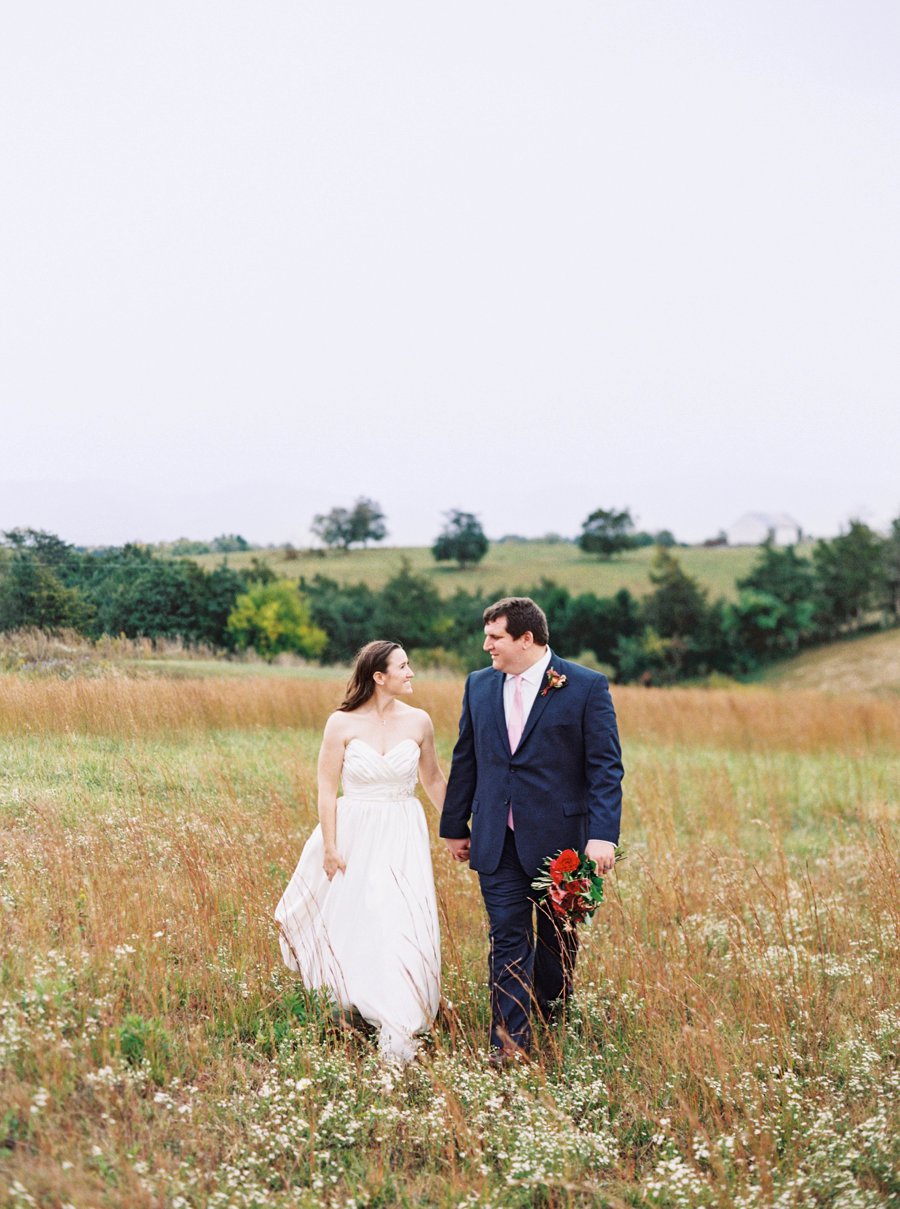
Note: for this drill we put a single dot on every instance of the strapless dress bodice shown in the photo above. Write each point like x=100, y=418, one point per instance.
x=368, y=775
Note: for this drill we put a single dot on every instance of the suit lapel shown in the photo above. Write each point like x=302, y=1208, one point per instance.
x=497, y=706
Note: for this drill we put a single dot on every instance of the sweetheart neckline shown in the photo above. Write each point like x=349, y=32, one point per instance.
x=383, y=754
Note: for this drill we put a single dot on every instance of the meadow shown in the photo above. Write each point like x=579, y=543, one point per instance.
x=733, y=1040
x=509, y=566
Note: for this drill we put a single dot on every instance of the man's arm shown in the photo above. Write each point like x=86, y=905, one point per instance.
x=603, y=772
x=461, y=785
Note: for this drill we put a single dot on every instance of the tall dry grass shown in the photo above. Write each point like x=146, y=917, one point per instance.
x=741, y=719
x=733, y=1041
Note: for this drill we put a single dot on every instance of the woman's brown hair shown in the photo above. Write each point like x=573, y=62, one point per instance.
x=372, y=658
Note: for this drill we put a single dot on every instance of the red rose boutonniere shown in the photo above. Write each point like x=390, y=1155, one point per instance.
x=554, y=680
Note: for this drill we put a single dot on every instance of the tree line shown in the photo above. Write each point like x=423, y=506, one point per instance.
x=788, y=601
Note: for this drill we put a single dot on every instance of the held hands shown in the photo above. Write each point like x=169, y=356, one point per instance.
x=458, y=849
x=332, y=863
x=603, y=854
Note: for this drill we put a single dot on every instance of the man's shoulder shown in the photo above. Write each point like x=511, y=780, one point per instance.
x=577, y=673
x=483, y=678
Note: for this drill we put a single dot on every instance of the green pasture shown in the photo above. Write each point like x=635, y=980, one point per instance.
x=509, y=566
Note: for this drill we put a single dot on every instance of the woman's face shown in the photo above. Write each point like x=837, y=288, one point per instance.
x=396, y=679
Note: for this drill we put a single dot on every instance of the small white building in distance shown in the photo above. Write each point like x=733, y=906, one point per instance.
x=754, y=527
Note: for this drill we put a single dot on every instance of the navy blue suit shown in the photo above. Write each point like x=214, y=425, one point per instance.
x=563, y=783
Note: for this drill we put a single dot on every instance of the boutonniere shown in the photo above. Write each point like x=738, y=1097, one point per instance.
x=554, y=680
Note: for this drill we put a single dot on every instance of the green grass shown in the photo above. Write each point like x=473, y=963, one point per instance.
x=511, y=566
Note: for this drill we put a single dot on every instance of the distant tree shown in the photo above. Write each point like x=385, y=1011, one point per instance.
x=31, y=594
x=892, y=572
x=48, y=549
x=39, y=583
x=259, y=571
x=344, y=527
x=596, y=623
x=776, y=605
x=273, y=618
x=665, y=538
x=221, y=588
x=409, y=610
x=850, y=577
x=333, y=528
x=138, y=595
x=678, y=606
x=344, y=611
x=695, y=640
x=462, y=539
x=607, y=532
x=367, y=522
x=229, y=543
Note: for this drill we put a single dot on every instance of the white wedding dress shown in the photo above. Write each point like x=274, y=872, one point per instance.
x=370, y=936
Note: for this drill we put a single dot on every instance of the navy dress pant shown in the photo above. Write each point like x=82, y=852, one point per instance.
x=526, y=970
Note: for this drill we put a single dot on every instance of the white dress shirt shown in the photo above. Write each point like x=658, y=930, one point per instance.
x=532, y=682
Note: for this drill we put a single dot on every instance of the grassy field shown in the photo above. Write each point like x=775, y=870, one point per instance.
x=866, y=664
x=512, y=565
x=734, y=1036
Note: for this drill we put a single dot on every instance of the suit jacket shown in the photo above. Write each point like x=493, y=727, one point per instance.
x=563, y=782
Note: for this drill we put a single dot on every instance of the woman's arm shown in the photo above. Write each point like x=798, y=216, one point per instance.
x=430, y=774
x=331, y=759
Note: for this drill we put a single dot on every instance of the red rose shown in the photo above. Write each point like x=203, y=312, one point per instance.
x=567, y=861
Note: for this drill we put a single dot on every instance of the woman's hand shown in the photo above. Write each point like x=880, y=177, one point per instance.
x=332, y=863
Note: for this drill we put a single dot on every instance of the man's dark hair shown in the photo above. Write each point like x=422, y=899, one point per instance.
x=521, y=614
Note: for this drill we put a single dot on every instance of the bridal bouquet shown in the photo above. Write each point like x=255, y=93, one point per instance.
x=573, y=887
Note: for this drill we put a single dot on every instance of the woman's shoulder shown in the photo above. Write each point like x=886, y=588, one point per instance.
x=415, y=714
x=339, y=723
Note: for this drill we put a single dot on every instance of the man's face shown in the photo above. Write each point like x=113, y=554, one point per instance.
x=507, y=654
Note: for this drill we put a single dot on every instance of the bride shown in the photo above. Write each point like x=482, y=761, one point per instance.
x=359, y=916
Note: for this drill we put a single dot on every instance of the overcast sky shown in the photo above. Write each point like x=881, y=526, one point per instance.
x=526, y=259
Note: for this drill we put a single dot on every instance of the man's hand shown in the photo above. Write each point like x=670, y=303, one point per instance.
x=459, y=849
x=602, y=853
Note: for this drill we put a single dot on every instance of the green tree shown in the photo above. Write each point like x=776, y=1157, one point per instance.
x=597, y=623
x=138, y=595
x=31, y=594
x=39, y=583
x=607, y=532
x=678, y=605
x=775, y=609
x=462, y=539
x=678, y=610
x=346, y=527
x=891, y=600
x=850, y=577
x=762, y=626
x=409, y=610
x=333, y=528
x=367, y=522
x=273, y=618
x=344, y=612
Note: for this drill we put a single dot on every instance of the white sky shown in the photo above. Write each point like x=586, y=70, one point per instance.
x=521, y=258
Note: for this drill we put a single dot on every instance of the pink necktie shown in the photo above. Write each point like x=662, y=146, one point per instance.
x=514, y=726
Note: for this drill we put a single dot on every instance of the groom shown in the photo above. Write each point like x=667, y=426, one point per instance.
x=536, y=768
